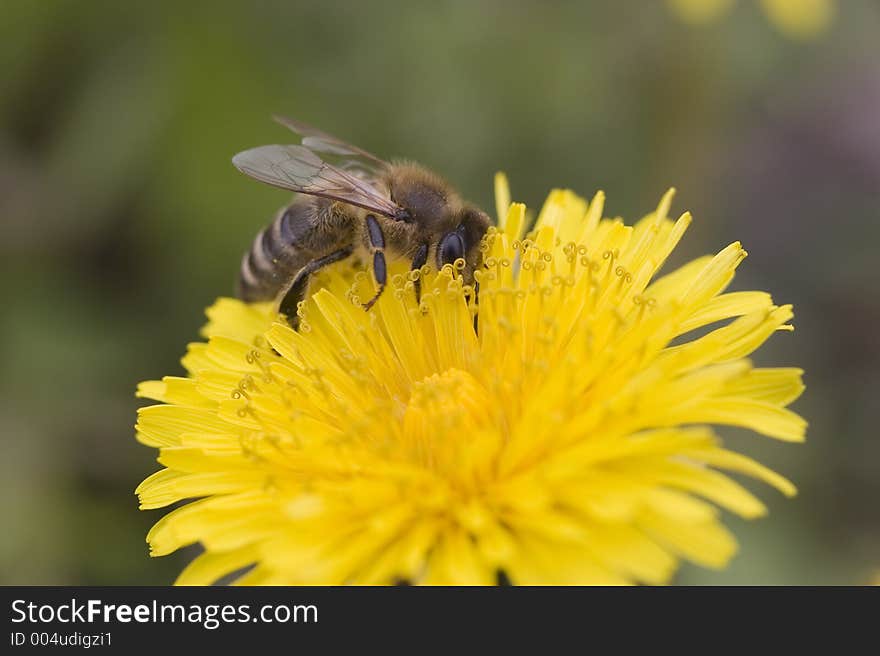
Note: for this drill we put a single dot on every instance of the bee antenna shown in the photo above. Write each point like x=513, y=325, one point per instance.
x=402, y=214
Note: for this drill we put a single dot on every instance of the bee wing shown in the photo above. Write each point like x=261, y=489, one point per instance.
x=297, y=168
x=321, y=142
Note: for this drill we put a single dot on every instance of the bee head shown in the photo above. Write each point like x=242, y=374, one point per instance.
x=423, y=197
x=463, y=241
x=453, y=229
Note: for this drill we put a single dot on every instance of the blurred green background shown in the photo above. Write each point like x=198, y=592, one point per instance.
x=122, y=217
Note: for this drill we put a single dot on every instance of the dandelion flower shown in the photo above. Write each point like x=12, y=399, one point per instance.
x=565, y=439
x=798, y=19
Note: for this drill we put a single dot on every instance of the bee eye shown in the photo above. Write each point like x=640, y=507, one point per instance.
x=451, y=248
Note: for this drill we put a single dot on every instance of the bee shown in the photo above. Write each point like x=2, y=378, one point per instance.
x=357, y=206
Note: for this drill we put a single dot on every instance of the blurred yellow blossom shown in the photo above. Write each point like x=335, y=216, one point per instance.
x=799, y=19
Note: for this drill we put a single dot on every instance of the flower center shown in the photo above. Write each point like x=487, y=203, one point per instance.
x=446, y=414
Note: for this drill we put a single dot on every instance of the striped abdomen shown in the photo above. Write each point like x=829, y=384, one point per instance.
x=278, y=252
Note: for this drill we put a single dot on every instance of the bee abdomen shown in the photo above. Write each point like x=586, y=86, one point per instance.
x=276, y=254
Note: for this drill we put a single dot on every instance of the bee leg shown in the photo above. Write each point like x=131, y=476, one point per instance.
x=476, y=302
x=418, y=262
x=297, y=290
x=377, y=247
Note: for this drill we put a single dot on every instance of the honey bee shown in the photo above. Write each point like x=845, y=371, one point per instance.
x=358, y=206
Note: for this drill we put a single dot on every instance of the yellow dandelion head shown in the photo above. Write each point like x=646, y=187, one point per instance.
x=552, y=428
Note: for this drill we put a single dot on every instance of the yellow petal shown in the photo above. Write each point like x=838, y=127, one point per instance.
x=206, y=568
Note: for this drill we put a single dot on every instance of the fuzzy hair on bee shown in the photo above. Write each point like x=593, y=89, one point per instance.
x=357, y=206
